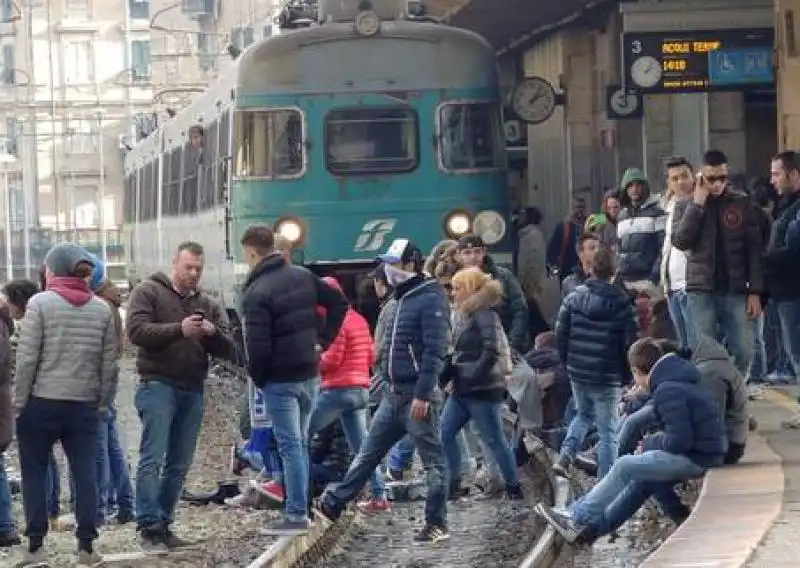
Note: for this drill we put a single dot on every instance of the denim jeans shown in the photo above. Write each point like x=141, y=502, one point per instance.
x=53, y=487
x=594, y=405
x=119, y=489
x=652, y=466
x=633, y=428
x=42, y=423
x=349, y=405
x=789, y=316
x=758, y=364
x=290, y=406
x=726, y=313
x=777, y=359
x=678, y=305
x=171, y=420
x=486, y=417
x=6, y=520
x=391, y=422
x=633, y=497
x=401, y=455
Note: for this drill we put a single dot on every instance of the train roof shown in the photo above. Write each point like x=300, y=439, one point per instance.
x=272, y=65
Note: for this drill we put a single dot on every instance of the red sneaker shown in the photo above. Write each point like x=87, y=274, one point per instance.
x=374, y=506
x=272, y=490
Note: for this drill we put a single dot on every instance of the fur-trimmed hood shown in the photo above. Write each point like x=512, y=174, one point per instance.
x=490, y=295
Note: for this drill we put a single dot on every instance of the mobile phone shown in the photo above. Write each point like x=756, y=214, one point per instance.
x=200, y=313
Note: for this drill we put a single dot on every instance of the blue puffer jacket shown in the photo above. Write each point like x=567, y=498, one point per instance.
x=689, y=414
x=419, y=338
x=595, y=328
x=641, y=231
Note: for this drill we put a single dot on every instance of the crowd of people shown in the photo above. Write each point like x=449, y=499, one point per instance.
x=642, y=380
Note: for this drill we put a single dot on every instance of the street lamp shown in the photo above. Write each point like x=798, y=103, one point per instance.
x=6, y=160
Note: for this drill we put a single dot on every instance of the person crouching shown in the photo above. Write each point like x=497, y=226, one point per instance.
x=65, y=380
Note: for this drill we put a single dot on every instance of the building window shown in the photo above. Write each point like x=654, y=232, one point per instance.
x=78, y=62
x=7, y=72
x=140, y=54
x=11, y=137
x=139, y=9
x=197, y=7
x=242, y=36
x=77, y=9
x=82, y=136
x=206, y=50
x=6, y=10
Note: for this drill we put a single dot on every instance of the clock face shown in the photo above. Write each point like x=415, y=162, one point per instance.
x=624, y=103
x=534, y=100
x=646, y=72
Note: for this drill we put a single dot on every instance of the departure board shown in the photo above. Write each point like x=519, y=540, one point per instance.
x=700, y=61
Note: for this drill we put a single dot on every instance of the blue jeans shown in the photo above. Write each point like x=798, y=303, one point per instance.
x=678, y=305
x=633, y=497
x=290, y=405
x=594, y=405
x=652, y=466
x=777, y=359
x=633, y=428
x=119, y=490
x=6, y=520
x=726, y=313
x=486, y=417
x=402, y=453
x=789, y=315
x=171, y=420
x=758, y=365
x=349, y=405
x=390, y=423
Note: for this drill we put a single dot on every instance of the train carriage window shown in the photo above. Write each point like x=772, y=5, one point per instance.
x=207, y=180
x=470, y=136
x=269, y=144
x=371, y=141
x=192, y=156
x=171, y=196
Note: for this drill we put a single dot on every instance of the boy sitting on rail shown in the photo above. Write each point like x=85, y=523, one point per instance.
x=692, y=440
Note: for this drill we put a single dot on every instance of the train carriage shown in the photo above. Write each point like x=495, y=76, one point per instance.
x=341, y=136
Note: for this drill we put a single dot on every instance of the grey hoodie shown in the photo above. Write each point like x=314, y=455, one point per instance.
x=720, y=376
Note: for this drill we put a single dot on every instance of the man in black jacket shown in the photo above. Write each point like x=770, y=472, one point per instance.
x=283, y=340
x=781, y=266
x=719, y=226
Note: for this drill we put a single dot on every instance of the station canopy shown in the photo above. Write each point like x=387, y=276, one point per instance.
x=507, y=23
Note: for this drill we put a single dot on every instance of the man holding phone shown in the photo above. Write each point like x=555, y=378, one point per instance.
x=175, y=327
x=719, y=226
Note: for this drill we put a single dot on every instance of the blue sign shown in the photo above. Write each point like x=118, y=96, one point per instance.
x=740, y=66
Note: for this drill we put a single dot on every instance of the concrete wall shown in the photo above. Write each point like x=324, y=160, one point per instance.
x=788, y=60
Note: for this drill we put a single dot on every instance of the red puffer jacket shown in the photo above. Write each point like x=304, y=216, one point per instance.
x=346, y=363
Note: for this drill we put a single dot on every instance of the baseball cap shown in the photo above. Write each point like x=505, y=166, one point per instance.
x=470, y=241
x=401, y=250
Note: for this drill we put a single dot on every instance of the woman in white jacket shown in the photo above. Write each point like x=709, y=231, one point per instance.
x=680, y=185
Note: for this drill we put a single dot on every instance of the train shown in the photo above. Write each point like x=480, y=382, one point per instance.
x=369, y=124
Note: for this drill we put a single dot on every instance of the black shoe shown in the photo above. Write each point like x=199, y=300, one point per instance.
x=225, y=490
x=152, y=540
x=457, y=492
x=562, y=465
x=173, y=541
x=432, y=534
x=10, y=538
x=15, y=486
x=586, y=463
x=514, y=493
x=329, y=513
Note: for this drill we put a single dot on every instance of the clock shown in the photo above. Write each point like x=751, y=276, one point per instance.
x=534, y=100
x=623, y=103
x=646, y=72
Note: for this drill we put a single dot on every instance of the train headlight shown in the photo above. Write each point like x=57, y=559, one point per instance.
x=490, y=226
x=289, y=229
x=457, y=224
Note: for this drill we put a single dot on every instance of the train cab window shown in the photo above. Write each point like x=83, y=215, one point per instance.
x=371, y=141
x=470, y=136
x=269, y=144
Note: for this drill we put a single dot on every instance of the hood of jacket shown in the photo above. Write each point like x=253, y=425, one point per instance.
x=267, y=264
x=73, y=290
x=630, y=176
x=709, y=350
x=543, y=358
x=489, y=296
x=109, y=292
x=603, y=302
x=673, y=368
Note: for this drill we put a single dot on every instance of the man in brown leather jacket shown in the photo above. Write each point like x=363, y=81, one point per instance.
x=719, y=228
